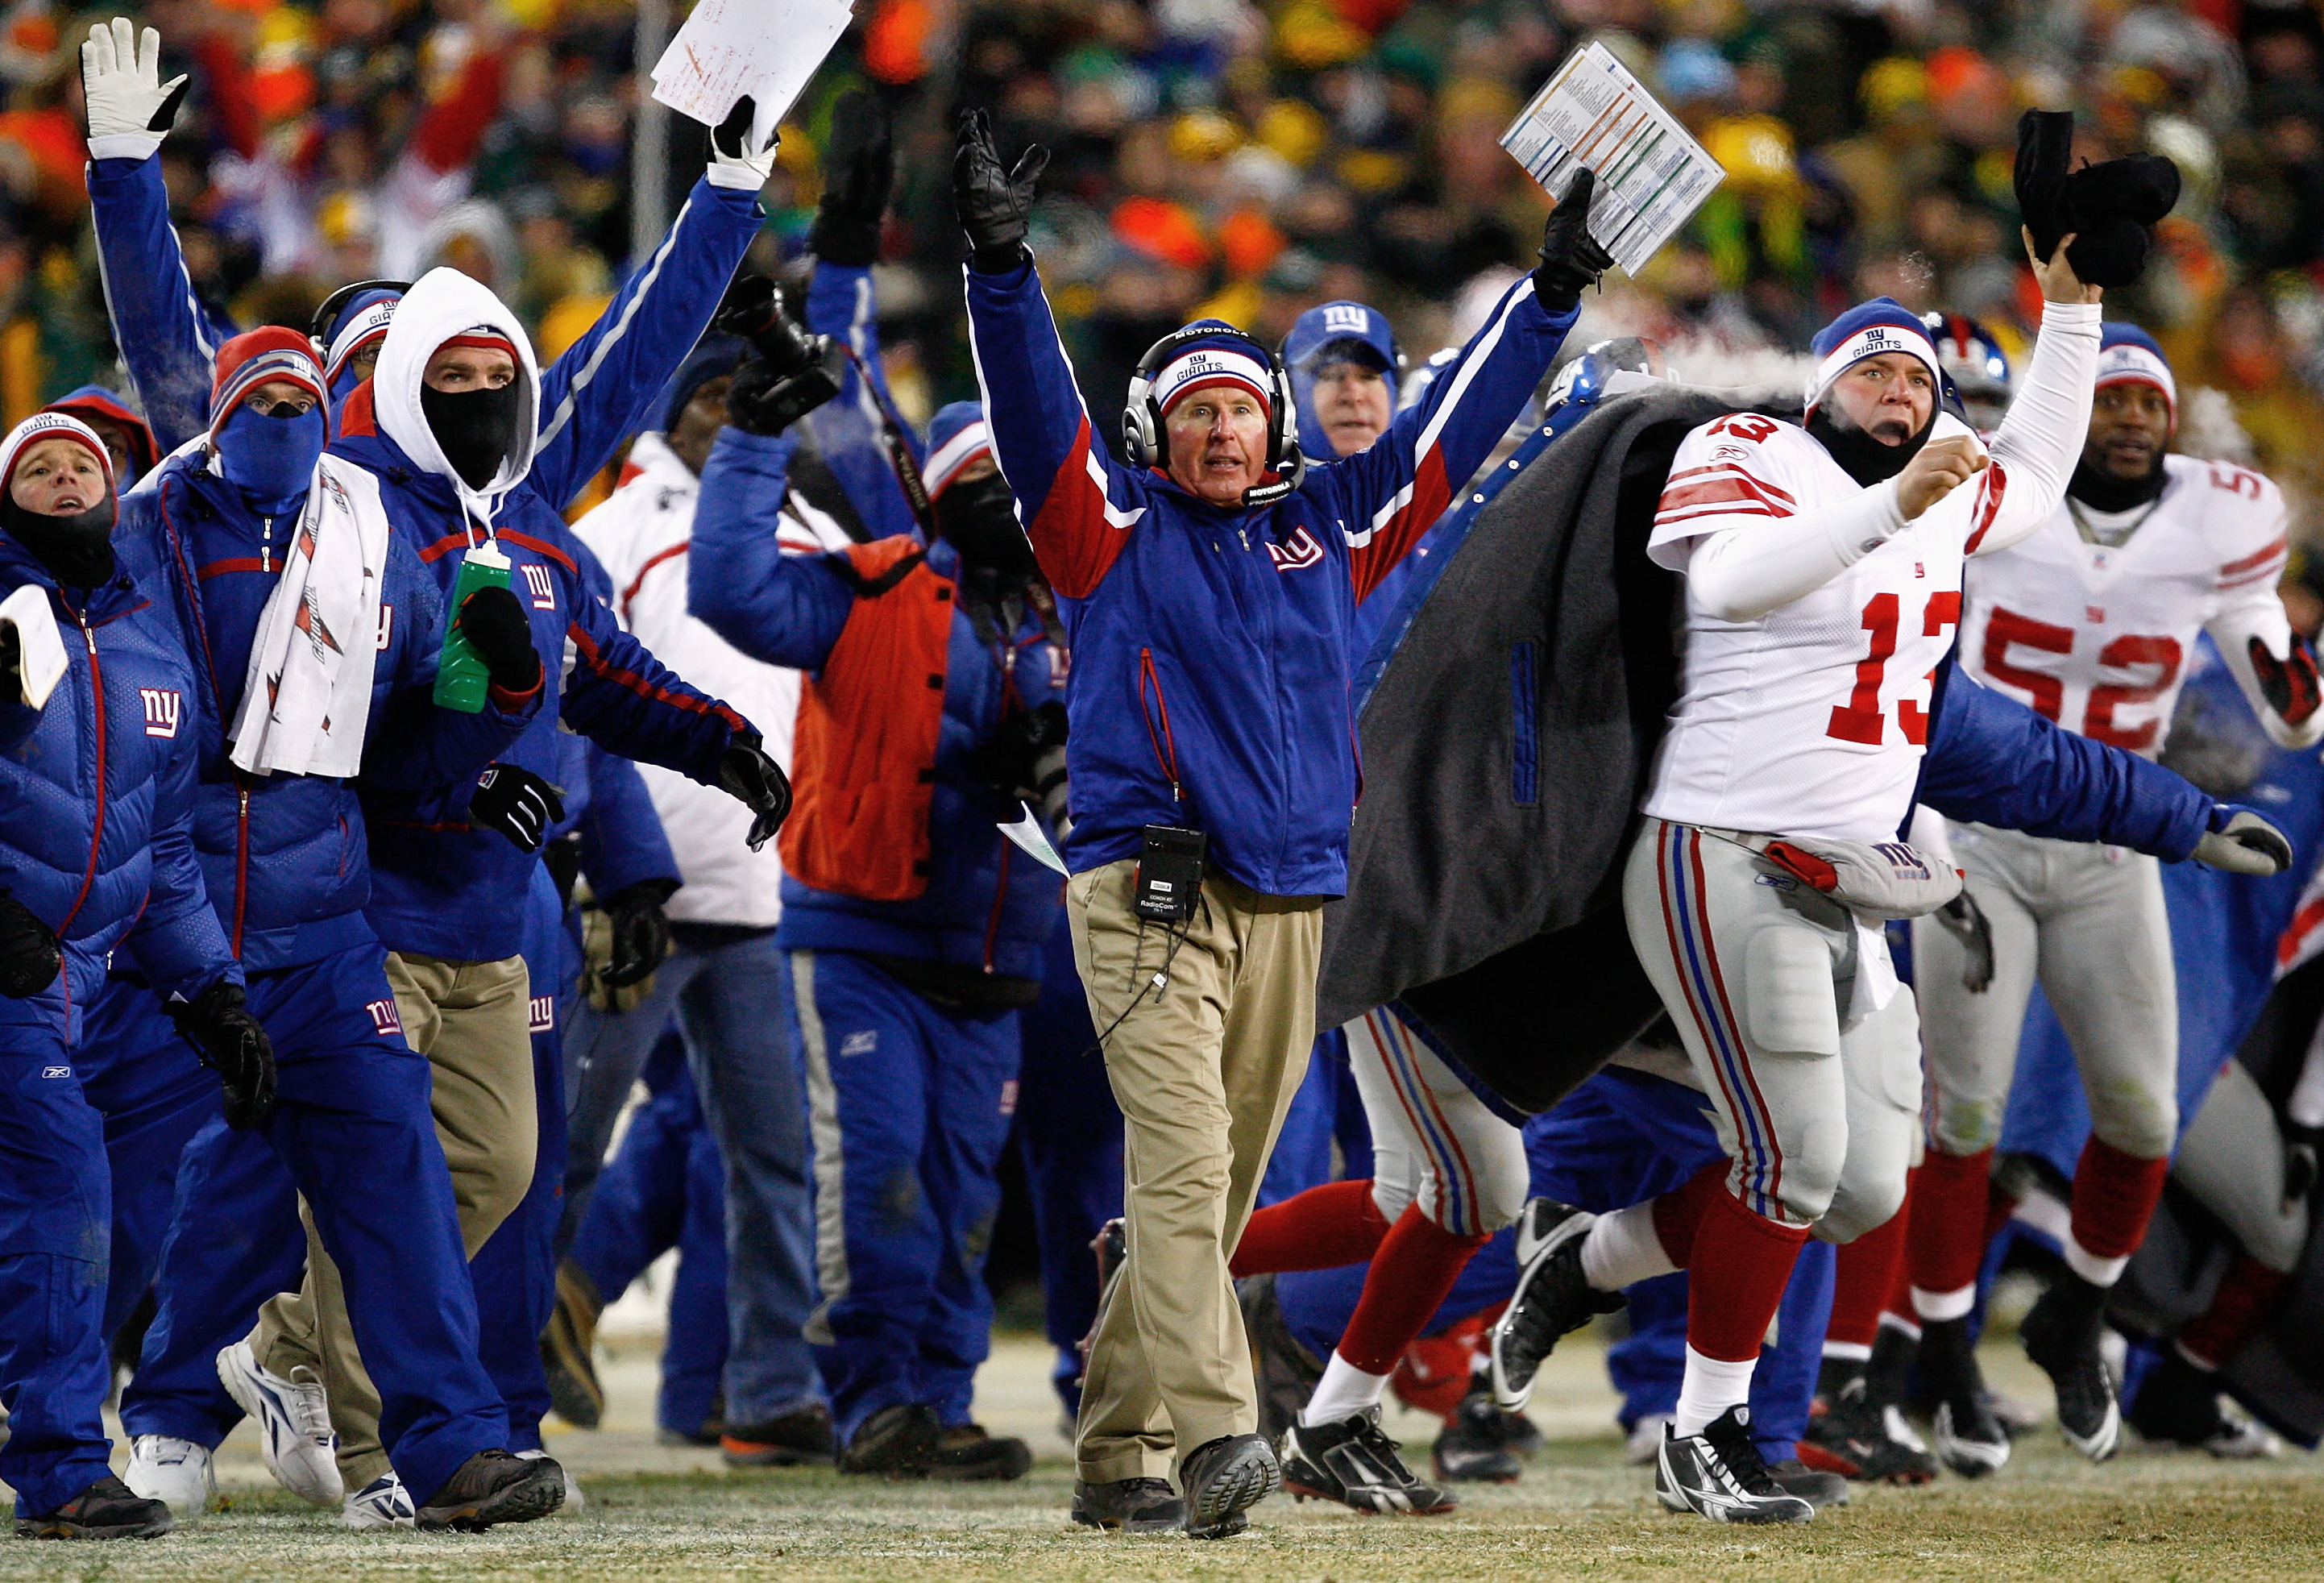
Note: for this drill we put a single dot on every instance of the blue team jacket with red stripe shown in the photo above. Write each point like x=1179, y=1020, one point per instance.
x=1212, y=649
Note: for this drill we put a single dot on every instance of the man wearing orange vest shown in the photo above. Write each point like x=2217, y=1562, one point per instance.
x=936, y=685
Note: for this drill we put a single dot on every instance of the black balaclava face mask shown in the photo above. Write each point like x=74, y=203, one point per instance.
x=1859, y=455
x=476, y=429
x=978, y=520
x=2102, y=491
x=76, y=550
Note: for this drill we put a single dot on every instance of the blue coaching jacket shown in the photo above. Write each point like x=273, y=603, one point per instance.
x=285, y=857
x=96, y=799
x=986, y=905
x=442, y=888
x=1213, y=648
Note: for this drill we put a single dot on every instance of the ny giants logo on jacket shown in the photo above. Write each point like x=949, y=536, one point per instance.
x=1296, y=553
x=544, y=589
x=162, y=706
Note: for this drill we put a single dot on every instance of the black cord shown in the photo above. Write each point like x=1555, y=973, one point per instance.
x=1159, y=981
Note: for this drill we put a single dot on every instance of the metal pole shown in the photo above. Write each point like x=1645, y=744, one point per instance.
x=650, y=154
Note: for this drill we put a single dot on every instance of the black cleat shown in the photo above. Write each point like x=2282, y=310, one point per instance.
x=1285, y=1372
x=2061, y=1335
x=1720, y=1474
x=1352, y=1462
x=965, y=1453
x=800, y=1437
x=1223, y=1479
x=2179, y=1404
x=493, y=1487
x=567, y=1348
x=1815, y=1485
x=1969, y=1439
x=1129, y=1506
x=1553, y=1297
x=1480, y=1442
x=1857, y=1437
x=895, y=1442
x=108, y=1509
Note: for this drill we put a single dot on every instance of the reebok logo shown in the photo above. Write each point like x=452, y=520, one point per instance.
x=67, y=1072
x=543, y=587
x=544, y=1013
x=861, y=1043
x=162, y=706
x=384, y=1018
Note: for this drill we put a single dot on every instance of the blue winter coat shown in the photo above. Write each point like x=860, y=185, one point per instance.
x=987, y=905
x=96, y=799
x=1213, y=649
x=285, y=856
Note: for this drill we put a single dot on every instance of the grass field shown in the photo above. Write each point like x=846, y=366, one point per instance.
x=677, y=1516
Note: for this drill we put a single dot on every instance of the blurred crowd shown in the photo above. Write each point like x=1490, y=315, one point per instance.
x=1232, y=157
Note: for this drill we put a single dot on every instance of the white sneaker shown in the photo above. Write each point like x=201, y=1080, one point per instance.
x=294, y=1424
x=381, y=1503
x=573, y=1501
x=175, y=1472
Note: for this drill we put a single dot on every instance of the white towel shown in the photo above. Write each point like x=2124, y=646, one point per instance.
x=306, y=699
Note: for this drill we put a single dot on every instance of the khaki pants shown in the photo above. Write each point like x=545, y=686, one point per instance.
x=1204, y=1071
x=472, y=1021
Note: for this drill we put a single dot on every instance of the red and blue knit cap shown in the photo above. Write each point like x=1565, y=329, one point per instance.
x=1227, y=357
x=1868, y=329
x=50, y=425
x=362, y=322
x=2127, y=355
x=256, y=357
x=956, y=438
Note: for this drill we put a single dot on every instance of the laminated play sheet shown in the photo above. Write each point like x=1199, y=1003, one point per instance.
x=1652, y=175
x=769, y=49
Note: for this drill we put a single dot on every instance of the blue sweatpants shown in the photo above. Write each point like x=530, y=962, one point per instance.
x=216, y=1268
x=665, y=1188
x=909, y=1107
x=352, y=1121
x=515, y=1271
x=56, y=1214
x=154, y=1095
x=1069, y=1137
x=1622, y=1137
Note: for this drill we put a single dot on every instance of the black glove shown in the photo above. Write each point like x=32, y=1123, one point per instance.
x=517, y=803
x=641, y=932
x=29, y=957
x=496, y=623
x=12, y=651
x=232, y=1044
x=1571, y=257
x=2111, y=209
x=2290, y=685
x=763, y=399
x=1964, y=919
x=1007, y=761
x=858, y=168
x=2300, y=1152
x=745, y=771
x=993, y=204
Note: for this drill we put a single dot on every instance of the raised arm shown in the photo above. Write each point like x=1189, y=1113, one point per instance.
x=851, y=432
x=784, y=609
x=1399, y=486
x=604, y=388
x=169, y=338
x=2034, y=451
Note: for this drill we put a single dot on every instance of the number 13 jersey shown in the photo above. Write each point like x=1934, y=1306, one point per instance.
x=2098, y=638
x=1811, y=720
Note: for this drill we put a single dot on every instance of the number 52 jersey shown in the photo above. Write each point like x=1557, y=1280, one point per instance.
x=1812, y=720
x=2098, y=638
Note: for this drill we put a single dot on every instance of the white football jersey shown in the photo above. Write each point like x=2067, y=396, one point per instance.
x=2098, y=638
x=1809, y=720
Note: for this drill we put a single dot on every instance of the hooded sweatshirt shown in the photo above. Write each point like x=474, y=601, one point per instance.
x=440, y=887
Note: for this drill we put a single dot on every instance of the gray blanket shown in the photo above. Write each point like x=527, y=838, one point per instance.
x=1505, y=746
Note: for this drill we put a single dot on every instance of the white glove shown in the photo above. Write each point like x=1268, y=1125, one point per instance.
x=732, y=162
x=2246, y=844
x=130, y=108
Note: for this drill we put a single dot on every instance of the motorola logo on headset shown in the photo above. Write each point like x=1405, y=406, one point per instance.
x=1141, y=420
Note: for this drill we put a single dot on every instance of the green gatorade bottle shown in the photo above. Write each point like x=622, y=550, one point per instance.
x=462, y=676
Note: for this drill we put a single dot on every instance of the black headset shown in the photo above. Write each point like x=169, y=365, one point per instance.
x=319, y=327
x=1141, y=420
